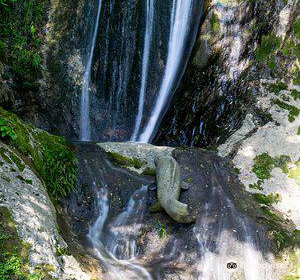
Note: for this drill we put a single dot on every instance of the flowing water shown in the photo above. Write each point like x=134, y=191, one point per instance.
x=222, y=233
x=85, y=125
x=145, y=64
x=180, y=32
x=133, y=79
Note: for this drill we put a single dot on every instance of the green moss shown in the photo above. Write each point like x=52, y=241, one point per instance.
x=126, y=161
x=237, y=170
x=295, y=94
x=296, y=28
x=293, y=111
x=5, y=178
x=149, y=171
x=298, y=132
x=264, y=164
x=215, y=22
x=266, y=199
x=267, y=47
x=4, y=154
x=257, y=186
x=282, y=237
x=296, y=77
x=50, y=155
x=62, y=252
x=13, y=252
x=23, y=180
x=277, y=87
x=155, y=208
x=17, y=161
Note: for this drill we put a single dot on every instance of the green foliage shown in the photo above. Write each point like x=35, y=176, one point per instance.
x=296, y=79
x=162, y=229
x=50, y=155
x=264, y=164
x=266, y=199
x=6, y=131
x=295, y=94
x=277, y=87
x=267, y=47
x=257, y=186
x=21, y=28
x=296, y=28
x=60, y=170
x=293, y=111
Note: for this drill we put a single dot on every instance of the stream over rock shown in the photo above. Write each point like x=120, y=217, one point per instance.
x=114, y=221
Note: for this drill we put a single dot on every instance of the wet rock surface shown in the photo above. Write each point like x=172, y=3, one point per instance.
x=165, y=248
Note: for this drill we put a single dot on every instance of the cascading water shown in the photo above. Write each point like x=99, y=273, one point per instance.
x=180, y=32
x=145, y=63
x=85, y=125
x=124, y=238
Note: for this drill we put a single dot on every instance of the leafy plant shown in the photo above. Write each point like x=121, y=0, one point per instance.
x=6, y=131
x=162, y=229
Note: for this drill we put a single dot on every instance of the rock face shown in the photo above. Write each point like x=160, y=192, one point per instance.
x=278, y=138
x=23, y=193
x=222, y=81
x=169, y=180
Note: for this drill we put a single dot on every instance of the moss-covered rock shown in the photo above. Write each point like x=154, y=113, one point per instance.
x=14, y=253
x=264, y=164
x=50, y=155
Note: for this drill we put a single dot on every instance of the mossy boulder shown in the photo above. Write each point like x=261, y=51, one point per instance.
x=49, y=155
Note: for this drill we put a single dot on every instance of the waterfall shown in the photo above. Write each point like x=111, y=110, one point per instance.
x=145, y=63
x=85, y=125
x=181, y=17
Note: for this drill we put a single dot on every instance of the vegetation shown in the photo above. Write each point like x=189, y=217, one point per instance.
x=155, y=208
x=278, y=87
x=149, y=171
x=21, y=32
x=5, y=130
x=278, y=233
x=162, y=229
x=50, y=155
x=215, y=22
x=266, y=199
x=14, y=253
x=126, y=161
x=267, y=47
x=295, y=94
x=264, y=164
x=293, y=111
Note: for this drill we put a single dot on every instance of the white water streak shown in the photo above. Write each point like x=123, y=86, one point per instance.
x=180, y=18
x=85, y=125
x=145, y=63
